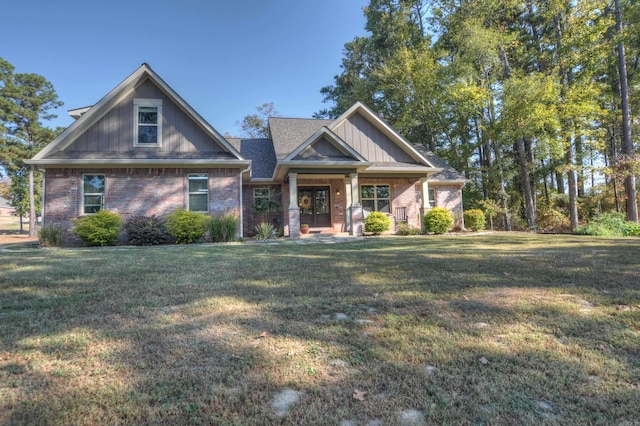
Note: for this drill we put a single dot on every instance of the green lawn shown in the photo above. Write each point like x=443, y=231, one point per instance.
x=496, y=329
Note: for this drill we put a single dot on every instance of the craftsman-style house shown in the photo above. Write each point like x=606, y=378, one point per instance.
x=143, y=150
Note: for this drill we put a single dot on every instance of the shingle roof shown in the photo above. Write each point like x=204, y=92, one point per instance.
x=447, y=174
x=261, y=154
x=289, y=133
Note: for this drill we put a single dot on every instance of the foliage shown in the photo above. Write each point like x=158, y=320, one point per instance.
x=186, y=227
x=257, y=125
x=265, y=231
x=552, y=220
x=610, y=225
x=377, y=223
x=19, y=192
x=404, y=229
x=491, y=210
x=223, y=228
x=523, y=97
x=100, y=229
x=474, y=219
x=146, y=230
x=51, y=235
x=25, y=101
x=438, y=220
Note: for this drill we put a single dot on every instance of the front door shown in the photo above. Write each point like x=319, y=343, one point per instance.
x=315, y=206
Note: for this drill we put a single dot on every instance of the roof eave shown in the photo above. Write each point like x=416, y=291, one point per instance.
x=119, y=163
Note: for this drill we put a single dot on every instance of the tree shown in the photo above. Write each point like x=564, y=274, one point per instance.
x=257, y=125
x=25, y=100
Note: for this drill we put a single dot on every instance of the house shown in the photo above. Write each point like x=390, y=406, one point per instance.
x=143, y=150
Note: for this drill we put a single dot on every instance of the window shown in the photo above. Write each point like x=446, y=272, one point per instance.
x=432, y=198
x=376, y=198
x=148, y=122
x=92, y=193
x=199, y=193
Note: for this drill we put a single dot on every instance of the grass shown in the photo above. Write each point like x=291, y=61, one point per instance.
x=498, y=329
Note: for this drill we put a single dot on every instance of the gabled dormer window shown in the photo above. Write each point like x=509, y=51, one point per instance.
x=147, y=122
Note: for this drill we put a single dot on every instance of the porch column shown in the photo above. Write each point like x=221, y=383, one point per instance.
x=347, y=213
x=356, y=208
x=294, y=209
x=424, y=183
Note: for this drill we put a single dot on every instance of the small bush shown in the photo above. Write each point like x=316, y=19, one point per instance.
x=223, y=228
x=609, y=225
x=404, y=229
x=100, y=229
x=552, y=220
x=51, y=235
x=377, y=223
x=474, y=219
x=146, y=230
x=438, y=220
x=265, y=231
x=186, y=227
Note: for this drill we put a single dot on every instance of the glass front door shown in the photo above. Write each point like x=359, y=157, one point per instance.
x=315, y=206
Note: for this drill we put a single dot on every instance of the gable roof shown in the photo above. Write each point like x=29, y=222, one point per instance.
x=288, y=134
x=333, y=139
x=88, y=116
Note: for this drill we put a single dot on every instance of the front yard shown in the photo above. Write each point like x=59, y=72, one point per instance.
x=499, y=329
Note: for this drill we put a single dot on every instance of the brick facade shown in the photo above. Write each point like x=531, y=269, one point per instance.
x=130, y=192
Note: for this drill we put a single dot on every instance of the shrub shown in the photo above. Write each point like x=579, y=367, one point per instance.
x=265, y=231
x=51, y=235
x=474, y=219
x=223, y=228
x=377, y=223
x=404, y=229
x=552, y=220
x=146, y=230
x=609, y=225
x=100, y=229
x=186, y=227
x=438, y=220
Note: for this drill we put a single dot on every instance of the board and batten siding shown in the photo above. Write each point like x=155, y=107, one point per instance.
x=370, y=142
x=114, y=131
x=323, y=149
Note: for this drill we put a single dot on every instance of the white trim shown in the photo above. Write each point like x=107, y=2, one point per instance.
x=375, y=198
x=147, y=103
x=199, y=176
x=334, y=139
x=82, y=194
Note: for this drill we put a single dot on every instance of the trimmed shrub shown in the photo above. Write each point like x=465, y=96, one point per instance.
x=438, y=220
x=377, y=223
x=474, y=219
x=265, y=231
x=146, y=230
x=186, y=227
x=51, y=235
x=609, y=225
x=404, y=229
x=100, y=229
x=223, y=228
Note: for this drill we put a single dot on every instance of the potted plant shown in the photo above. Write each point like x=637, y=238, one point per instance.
x=304, y=228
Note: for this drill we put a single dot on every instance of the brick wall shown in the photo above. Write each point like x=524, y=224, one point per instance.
x=131, y=192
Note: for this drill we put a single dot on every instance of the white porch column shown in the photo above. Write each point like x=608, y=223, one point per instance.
x=294, y=209
x=347, y=213
x=357, y=227
x=424, y=183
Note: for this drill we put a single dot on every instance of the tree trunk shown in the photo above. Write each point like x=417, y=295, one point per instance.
x=579, y=163
x=32, y=205
x=526, y=184
x=627, y=144
x=573, y=187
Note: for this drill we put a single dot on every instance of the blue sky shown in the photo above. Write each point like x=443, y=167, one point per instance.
x=223, y=57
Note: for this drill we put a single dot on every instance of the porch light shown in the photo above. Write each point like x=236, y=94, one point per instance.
x=338, y=191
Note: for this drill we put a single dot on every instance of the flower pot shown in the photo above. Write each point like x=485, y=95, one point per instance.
x=304, y=229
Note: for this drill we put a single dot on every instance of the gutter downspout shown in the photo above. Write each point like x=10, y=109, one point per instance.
x=248, y=169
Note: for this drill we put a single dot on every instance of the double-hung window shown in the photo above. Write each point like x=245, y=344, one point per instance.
x=376, y=198
x=148, y=122
x=432, y=197
x=198, y=193
x=92, y=193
